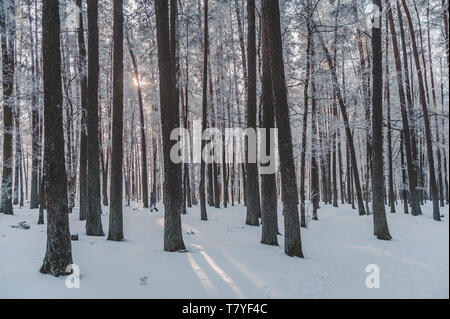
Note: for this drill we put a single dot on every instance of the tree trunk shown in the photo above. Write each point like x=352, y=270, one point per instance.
x=7, y=43
x=253, y=205
x=315, y=188
x=204, y=113
x=292, y=244
x=115, y=231
x=381, y=229
x=58, y=254
x=268, y=183
x=83, y=129
x=404, y=188
x=387, y=93
x=94, y=209
x=170, y=119
x=305, y=123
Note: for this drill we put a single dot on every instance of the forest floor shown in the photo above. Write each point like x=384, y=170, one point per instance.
x=226, y=260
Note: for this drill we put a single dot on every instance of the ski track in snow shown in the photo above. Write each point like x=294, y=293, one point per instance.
x=225, y=258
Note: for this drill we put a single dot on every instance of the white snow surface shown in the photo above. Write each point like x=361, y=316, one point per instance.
x=225, y=258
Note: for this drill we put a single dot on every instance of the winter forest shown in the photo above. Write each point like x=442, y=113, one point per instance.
x=119, y=178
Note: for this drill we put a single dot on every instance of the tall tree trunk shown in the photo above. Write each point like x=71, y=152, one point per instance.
x=170, y=119
x=34, y=194
x=83, y=129
x=292, y=239
x=7, y=43
x=445, y=5
x=253, y=205
x=315, y=188
x=305, y=121
x=58, y=254
x=204, y=112
x=404, y=187
x=115, y=231
x=94, y=209
x=268, y=183
x=381, y=229
x=387, y=93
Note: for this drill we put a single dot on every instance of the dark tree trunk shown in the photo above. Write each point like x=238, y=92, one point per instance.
x=305, y=123
x=268, y=183
x=387, y=93
x=58, y=254
x=41, y=201
x=115, y=231
x=253, y=205
x=83, y=129
x=404, y=188
x=7, y=43
x=34, y=194
x=315, y=188
x=170, y=120
x=292, y=244
x=381, y=229
x=94, y=209
x=203, y=212
x=445, y=5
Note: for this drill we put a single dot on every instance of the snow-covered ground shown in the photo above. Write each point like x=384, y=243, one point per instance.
x=226, y=260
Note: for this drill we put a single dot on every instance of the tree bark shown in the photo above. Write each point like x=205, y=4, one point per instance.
x=268, y=183
x=203, y=212
x=292, y=244
x=83, y=124
x=170, y=120
x=115, y=231
x=58, y=254
x=253, y=205
x=381, y=229
x=94, y=209
x=7, y=44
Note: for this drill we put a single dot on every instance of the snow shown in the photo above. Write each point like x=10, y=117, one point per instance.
x=226, y=260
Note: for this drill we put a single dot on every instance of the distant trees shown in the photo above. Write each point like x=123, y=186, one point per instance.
x=243, y=73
